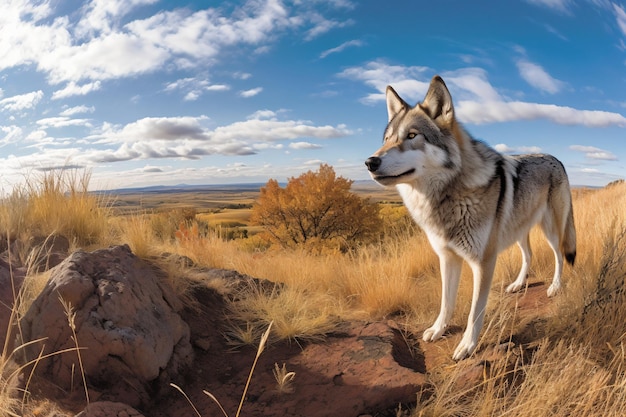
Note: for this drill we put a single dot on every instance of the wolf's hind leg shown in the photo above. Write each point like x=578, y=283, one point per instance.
x=524, y=245
x=552, y=236
x=450, y=264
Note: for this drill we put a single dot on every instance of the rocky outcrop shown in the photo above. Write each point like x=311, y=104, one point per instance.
x=125, y=322
x=135, y=337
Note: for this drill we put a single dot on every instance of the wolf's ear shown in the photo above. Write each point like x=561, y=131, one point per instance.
x=394, y=103
x=438, y=102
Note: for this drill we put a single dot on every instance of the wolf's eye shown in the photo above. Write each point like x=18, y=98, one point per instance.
x=411, y=135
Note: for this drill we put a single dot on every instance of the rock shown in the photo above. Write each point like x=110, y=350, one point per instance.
x=132, y=340
x=109, y=409
x=11, y=279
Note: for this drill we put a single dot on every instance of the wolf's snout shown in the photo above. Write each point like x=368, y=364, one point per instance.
x=373, y=163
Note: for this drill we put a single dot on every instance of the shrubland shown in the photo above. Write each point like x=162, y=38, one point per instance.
x=570, y=361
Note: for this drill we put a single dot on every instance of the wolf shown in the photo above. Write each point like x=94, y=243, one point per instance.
x=471, y=201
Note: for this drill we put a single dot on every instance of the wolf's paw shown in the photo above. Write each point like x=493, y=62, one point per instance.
x=554, y=289
x=433, y=333
x=514, y=287
x=464, y=349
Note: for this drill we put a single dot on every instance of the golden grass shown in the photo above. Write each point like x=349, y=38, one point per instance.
x=226, y=216
x=297, y=314
x=56, y=203
x=575, y=366
x=137, y=232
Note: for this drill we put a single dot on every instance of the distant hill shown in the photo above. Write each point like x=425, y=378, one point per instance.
x=181, y=188
x=192, y=188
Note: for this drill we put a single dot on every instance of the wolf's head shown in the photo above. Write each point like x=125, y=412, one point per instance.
x=420, y=142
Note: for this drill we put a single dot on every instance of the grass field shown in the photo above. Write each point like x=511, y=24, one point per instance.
x=575, y=363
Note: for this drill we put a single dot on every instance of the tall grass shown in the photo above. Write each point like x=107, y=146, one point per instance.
x=574, y=365
x=56, y=202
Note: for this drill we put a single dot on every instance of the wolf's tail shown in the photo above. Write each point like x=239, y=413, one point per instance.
x=568, y=243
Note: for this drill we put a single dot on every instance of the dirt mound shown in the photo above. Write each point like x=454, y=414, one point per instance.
x=123, y=317
x=360, y=368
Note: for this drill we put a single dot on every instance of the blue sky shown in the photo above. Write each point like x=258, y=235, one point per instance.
x=163, y=92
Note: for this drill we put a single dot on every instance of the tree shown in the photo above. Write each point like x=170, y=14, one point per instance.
x=316, y=210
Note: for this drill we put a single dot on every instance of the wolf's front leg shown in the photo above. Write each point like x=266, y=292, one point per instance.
x=483, y=275
x=450, y=264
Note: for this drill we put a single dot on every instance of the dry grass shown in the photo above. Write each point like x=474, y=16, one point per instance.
x=56, y=203
x=577, y=362
x=297, y=313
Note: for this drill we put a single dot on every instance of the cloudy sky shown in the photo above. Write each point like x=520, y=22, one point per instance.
x=162, y=92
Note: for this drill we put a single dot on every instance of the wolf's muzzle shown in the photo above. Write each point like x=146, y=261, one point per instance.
x=373, y=163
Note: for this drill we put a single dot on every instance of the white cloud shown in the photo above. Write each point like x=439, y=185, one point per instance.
x=111, y=56
x=313, y=162
x=341, y=48
x=529, y=149
x=591, y=176
x=37, y=136
x=503, y=148
x=561, y=6
x=101, y=15
x=100, y=41
x=62, y=121
x=620, y=16
x=276, y=130
x=471, y=84
x=509, y=111
x=304, y=145
x=194, y=87
x=476, y=100
x=241, y=75
x=555, y=32
x=250, y=93
x=76, y=110
x=189, y=138
x=156, y=128
x=537, y=77
x=217, y=87
x=78, y=52
x=378, y=74
x=151, y=169
x=73, y=89
x=592, y=152
x=203, y=34
x=263, y=114
x=22, y=101
x=323, y=25
x=192, y=96
x=10, y=134
x=180, y=84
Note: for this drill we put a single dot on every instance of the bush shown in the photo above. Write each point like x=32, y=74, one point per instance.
x=317, y=211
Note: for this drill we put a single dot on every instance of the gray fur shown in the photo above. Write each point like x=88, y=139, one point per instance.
x=471, y=201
